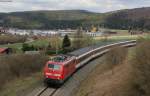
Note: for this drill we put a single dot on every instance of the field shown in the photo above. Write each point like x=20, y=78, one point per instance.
x=45, y=42
x=18, y=46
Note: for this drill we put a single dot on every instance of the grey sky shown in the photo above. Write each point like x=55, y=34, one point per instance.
x=91, y=5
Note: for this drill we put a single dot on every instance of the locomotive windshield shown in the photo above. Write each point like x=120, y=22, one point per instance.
x=54, y=66
x=58, y=58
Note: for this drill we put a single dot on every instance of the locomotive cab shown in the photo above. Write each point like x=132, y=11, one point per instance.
x=53, y=72
x=54, y=69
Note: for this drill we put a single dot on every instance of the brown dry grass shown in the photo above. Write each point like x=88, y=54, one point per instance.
x=141, y=72
x=19, y=65
x=116, y=56
x=5, y=39
x=101, y=82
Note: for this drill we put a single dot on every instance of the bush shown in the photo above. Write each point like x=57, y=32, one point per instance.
x=20, y=65
x=27, y=47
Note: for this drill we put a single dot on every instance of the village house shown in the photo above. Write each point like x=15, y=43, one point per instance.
x=5, y=50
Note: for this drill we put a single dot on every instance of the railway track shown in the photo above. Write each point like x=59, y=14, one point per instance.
x=47, y=91
x=43, y=91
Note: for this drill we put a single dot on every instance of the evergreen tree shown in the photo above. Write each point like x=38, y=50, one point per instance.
x=49, y=46
x=25, y=47
x=66, y=42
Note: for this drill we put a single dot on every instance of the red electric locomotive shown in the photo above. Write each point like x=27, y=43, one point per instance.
x=59, y=68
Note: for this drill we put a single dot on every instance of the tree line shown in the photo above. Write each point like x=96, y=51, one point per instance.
x=123, y=21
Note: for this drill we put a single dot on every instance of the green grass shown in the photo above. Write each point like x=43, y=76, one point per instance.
x=147, y=36
x=42, y=42
x=18, y=46
x=124, y=37
x=118, y=30
x=15, y=45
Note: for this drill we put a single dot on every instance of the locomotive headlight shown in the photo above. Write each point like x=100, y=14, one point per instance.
x=57, y=74
x=48, y=73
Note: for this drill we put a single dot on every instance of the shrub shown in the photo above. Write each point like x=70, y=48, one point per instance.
x=27, y=47
x=20, y=65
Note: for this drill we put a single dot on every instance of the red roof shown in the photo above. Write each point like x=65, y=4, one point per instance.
x=2, y=50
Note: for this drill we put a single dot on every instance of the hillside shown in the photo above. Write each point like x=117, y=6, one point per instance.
x=48, y=19
x=138, y=18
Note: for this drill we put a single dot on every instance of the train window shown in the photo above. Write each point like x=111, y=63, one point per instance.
x=53, y=66
x=58, y=58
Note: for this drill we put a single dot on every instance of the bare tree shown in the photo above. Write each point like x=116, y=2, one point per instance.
x=77, y=41
x=55, y=43
x=81, y=39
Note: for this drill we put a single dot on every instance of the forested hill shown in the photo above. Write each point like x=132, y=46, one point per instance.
x=138, y=18
x=48, y=19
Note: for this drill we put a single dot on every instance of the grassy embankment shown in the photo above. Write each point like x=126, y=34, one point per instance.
x=104, y=80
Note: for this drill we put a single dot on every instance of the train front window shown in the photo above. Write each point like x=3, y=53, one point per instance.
x=53, y=66
x=58, y=58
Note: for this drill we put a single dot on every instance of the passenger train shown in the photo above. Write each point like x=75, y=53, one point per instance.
x=60, y=67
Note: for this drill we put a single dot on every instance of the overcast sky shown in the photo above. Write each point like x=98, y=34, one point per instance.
x=91, y=5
